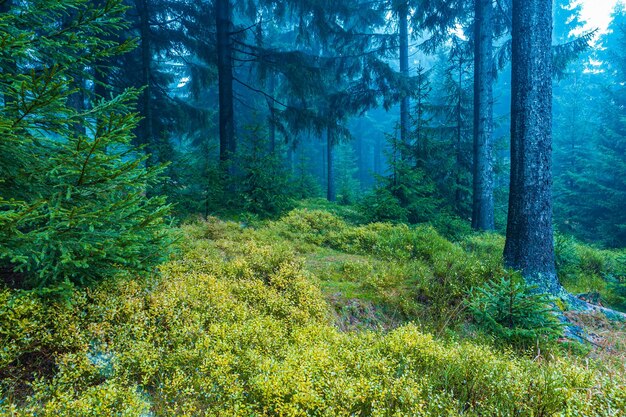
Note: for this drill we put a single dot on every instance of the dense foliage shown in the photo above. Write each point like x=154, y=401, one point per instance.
x=589, y=159
x=73, y=203
x=515, y=312
x=238, y=324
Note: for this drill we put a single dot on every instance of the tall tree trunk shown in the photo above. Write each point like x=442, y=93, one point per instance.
x=76, y=101
x=272, y=110
x=102, y=88
x=225, y=83
x=146, y=126
x=361, y=161
x=482, y=207
x=291, y=155
x=403, y=13
x=419, y=142
x=458, y=196
x=324, y=152
x=330, y=176
x=378, y=151
x=529, y=238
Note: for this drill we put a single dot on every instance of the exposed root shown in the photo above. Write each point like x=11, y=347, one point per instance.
x=574, y=304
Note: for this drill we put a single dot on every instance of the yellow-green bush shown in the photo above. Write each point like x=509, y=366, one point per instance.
x=236, y=327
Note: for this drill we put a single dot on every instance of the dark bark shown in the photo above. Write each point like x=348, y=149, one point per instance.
x=225, y=82
x=330, y=175
x=291, y=152
x=324, y=158
x=146, y=127
x=378, y=151
x=529, y=237
x=404, y=70
x=458, y=195
x=419, y=124
x=76, y=101
x=482, y=207
x=272, y=117
x=101, y=87
x=361, y=161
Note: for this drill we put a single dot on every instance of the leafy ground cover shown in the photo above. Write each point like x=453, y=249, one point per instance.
x=308, y=315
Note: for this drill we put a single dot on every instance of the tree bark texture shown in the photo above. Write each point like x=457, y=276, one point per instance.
x=404, y=71
x=482, y=203
x=458, y=194
x=225, y=82
x=272, y=116
x=330, y=176
x=529, y=237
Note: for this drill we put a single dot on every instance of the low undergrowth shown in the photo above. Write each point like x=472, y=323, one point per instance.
x=263, y=321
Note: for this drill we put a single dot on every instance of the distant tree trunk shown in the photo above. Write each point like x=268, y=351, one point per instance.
x=361, y=161
x=76, y=101
x=403, y=13
x=146, y=126
x=529, y=238
x=272, y=110
x=482, y=207
x=291, y=152
x=419, y=122
x=458, y=195
x=377, y=155
x=225, y=83
x=330, y=176
x=324, y=159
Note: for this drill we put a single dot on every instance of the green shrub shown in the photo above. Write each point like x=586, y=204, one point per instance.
x=451, y=226
x=314, y=226
x=235, y=327
x=589, y=270
x=264, y=182
x=382, y=206
x=514, y=312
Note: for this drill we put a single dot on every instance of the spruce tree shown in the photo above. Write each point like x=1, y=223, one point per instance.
x=73, y=204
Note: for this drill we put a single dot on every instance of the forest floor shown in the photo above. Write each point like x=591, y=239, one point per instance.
x=307, y=315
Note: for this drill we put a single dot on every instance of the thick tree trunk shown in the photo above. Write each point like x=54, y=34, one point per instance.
x=404, y=70
x=330, y=175
x=146, y=127
x=529, y=237
x=482, y=207
x=225, y=83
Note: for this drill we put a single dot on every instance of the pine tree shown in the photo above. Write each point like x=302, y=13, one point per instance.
x=73, y=204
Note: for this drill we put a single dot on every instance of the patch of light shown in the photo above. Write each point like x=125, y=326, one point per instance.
x=459, y=32
x=183, y=82
x=597, y=14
